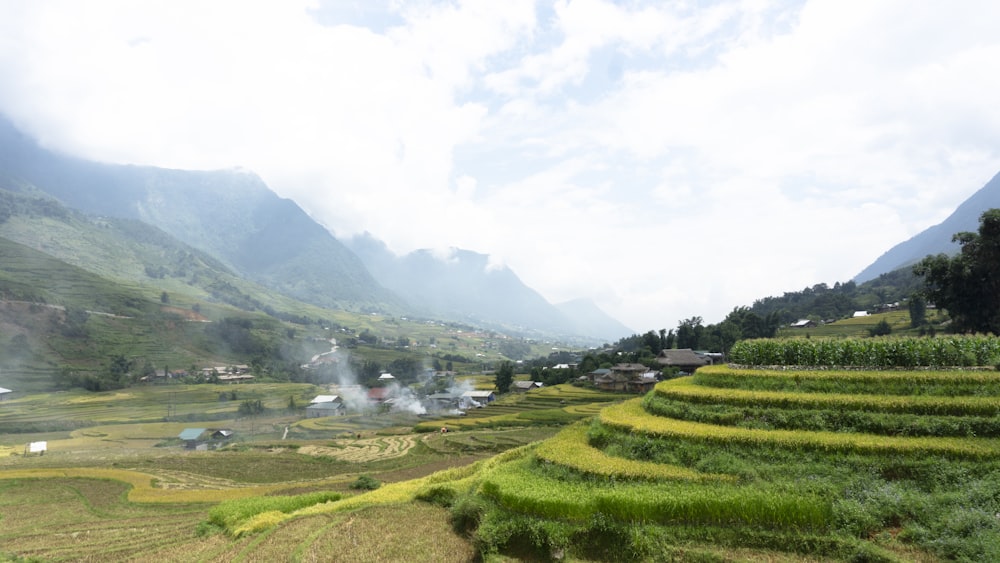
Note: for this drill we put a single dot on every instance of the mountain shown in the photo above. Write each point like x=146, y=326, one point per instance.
x=233, y=218
x=466, y=286
x=937, y=239
x=232, y=215
x=131, y=252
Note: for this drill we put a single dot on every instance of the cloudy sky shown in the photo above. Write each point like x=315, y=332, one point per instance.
x=666, y=159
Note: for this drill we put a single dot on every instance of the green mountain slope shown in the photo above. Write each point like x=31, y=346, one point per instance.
x=231, y=215
x=937, y=239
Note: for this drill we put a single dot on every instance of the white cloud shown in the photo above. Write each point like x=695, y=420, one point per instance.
x=668, y=160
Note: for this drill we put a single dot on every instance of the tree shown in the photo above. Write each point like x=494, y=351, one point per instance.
x=689, y=332
x=251, y=407
x=118, y=368
x=918, y=310
x=504, y=377
x=968, y=284
x=883, y=328
x=164, y=298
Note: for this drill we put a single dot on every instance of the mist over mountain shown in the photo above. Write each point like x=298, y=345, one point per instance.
x=937, y=239
x=465, y=285
x=232, y=215
x=588, y=318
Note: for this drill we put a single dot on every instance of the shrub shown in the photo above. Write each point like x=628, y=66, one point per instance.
x=467, y=513
x=366, y=483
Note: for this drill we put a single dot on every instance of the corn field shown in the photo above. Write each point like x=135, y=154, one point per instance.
x=874, y=353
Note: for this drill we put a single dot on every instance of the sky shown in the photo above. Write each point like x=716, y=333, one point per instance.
x=665, y=159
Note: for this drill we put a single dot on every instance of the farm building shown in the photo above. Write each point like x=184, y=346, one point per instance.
x=598, y=373
x=481, y=397
x=440, y=401
x=380, y=395
x=235, y=378
x=684, y=359
x=611, y=381
x=326, y=399
x=192, y=437
x=204, y=438
x=325, y=405
x=319, y=410
x=522, y=386
x=803, y=323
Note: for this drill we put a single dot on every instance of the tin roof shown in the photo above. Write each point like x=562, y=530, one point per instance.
x=191, y=433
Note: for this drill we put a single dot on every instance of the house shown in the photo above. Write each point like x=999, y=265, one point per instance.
x=481, y=397
x=192, y=437
x=326, y=399
x=444, y=400
x=642, y=384
x=629, y=370
x=325, y=405
x=329, y=408
x=803, y=323
x=683, y=359
x=523, y=386
x=612, y=381
x=379, y=395
x=387, y=377
x=235, y=378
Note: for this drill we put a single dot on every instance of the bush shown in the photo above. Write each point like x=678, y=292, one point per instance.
x=366, y=483
x=440, y=495
x=467, y=513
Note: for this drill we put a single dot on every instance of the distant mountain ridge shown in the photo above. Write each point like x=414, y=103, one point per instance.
x=465, y=285
x=937, y=239
x=234, y=217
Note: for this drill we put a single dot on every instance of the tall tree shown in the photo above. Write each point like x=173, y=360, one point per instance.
x=968, y=284
x=918, y=310
x=504, y=377
x=689, y=332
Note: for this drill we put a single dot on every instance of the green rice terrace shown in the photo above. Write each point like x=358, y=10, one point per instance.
x=733, y=463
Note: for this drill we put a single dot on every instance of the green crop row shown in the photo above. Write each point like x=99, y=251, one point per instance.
x=884, y=382
x=684, y=389
x=569, y=448
x=833, y=419
x=520, y=489
x=971, y=350
x=631, y=416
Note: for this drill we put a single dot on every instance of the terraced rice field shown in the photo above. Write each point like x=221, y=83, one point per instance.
x=838, y=464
